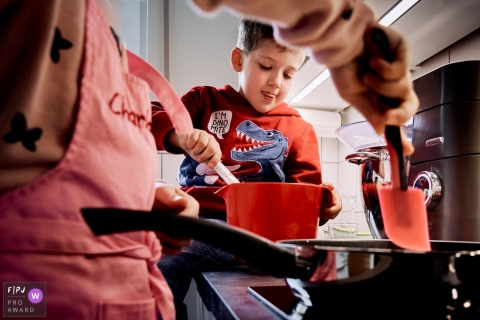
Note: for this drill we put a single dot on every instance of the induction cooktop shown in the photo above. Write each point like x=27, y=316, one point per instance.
x=281, y=300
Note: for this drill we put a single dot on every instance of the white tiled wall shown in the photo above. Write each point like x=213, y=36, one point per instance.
x=329, y=150
x=342, y=174
x=329, y=159
x=347, y=172
x=330, y=172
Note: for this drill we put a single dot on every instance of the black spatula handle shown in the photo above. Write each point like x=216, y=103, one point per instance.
x=392, y=133
x=257, y=252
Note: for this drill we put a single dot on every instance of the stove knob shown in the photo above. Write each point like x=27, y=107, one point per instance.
x=431, y=185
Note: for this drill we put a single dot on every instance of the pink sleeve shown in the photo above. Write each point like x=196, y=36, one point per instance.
x=332, y=29
x=161, y=127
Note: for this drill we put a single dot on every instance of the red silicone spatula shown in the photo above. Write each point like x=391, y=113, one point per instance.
x=403, y=210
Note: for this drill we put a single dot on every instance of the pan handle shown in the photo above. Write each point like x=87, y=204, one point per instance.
x=258, y=252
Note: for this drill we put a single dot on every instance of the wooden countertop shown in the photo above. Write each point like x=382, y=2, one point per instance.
x=225, y=294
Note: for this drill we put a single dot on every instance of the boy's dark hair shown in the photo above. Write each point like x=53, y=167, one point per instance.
x=251, y=33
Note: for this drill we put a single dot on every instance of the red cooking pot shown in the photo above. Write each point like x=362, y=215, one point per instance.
x=275, y=210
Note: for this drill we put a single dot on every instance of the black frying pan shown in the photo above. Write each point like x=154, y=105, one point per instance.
x=403, y=284
x=258, y=252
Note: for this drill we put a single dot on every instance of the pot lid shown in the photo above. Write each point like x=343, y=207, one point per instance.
x=360, y=135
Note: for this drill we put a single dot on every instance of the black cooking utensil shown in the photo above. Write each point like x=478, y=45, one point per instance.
x=392, y=133
x=258, y=252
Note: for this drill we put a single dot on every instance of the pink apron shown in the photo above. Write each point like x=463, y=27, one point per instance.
x=110, y=162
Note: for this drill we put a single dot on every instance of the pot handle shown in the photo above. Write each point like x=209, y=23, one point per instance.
x=258, y=252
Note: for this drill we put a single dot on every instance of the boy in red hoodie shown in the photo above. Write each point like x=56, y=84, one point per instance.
x=256, y=135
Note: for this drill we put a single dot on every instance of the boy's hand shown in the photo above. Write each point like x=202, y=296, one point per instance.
x=171, y=200
x=200, y=145
x=334, y=210
x=361, y=81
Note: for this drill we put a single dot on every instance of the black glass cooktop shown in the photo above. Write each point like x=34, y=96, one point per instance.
x=281, y=300
x=442, y=284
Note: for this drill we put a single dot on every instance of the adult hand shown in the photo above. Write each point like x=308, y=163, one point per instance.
x=327, y=213
x=337, y=32
x=361, y=82
x=200, y=145
x=171, y=200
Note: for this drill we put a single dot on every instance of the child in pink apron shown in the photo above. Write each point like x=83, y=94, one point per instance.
x=43, y=237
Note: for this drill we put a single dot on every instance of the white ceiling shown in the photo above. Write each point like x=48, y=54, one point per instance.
x=430, y=26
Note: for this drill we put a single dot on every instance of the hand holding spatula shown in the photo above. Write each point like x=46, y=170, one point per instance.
x=174, y=107
x=403, y=210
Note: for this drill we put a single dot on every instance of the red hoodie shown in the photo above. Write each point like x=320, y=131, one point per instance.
x=274, y=146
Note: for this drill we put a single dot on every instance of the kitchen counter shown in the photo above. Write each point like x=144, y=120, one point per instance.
x=225, y=294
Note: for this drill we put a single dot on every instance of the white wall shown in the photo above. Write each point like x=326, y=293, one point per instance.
x=132, y=25
x=192, y=42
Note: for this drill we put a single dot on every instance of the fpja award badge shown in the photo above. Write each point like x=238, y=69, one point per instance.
x=24, y=299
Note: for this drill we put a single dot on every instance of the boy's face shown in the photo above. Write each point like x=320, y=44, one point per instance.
x=266, y=74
